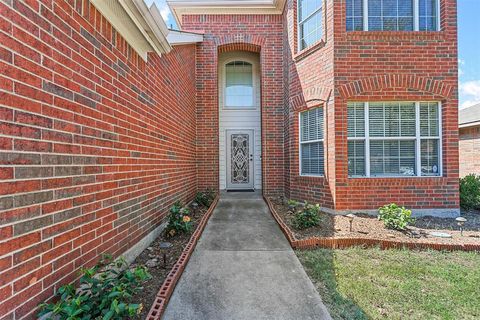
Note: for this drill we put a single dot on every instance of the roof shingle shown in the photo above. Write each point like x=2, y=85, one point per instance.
x=469, y=115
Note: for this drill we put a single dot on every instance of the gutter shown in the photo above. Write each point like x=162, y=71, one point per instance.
x=469, y=124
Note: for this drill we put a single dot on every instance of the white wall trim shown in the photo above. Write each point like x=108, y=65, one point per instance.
x=181, y=7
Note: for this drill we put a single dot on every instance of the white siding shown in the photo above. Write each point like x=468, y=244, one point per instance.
x=240, y=119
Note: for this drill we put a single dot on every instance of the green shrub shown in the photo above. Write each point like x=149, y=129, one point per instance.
x=205, y=198
x=395, y=217
x=179, y=220
x=293, y=203
x=470, y=192
x=308, y=217
x=105, y=293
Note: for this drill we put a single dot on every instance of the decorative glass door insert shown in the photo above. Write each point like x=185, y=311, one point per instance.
x=240, y=159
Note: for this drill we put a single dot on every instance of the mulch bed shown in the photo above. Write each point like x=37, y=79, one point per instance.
x=367, y=226
x=160, y=271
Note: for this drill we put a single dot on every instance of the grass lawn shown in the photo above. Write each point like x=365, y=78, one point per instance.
x=396, y=284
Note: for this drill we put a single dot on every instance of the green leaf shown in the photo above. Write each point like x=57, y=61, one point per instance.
x=108, y=315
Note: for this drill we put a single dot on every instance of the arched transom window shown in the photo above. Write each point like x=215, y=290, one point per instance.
x=239, y=85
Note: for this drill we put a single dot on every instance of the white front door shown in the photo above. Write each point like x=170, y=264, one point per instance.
x=240, y=155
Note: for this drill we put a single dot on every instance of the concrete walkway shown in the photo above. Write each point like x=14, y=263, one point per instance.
x=244, y=268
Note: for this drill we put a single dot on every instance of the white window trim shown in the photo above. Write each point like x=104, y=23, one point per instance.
x=254, y=83
x=300, y=143
x=416, y=16
x=299, y=39
x=418, y=138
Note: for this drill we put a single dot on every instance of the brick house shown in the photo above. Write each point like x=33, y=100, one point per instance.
x=107, y=118
x=469, y=131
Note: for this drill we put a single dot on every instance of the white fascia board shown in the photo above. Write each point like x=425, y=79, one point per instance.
x=176, y=38
x=181, y=7
x=143, y=28
x=469, y=124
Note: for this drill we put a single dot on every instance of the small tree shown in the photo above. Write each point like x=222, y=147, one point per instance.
x=308, y=217
x=395, y=217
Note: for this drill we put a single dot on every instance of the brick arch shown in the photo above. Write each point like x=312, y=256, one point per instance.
x=310, y=97
x=239, y=42
x=411, y=81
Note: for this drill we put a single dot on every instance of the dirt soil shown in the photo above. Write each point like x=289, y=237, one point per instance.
x=369, y=226
x=159, y=272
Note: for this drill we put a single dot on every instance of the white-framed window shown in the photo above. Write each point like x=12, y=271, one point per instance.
x=311, y=142
x=393, y=15
x=394, y=139
x=239, y=90
x=310, y=22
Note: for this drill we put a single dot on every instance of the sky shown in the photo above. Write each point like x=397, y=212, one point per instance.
x=469, y=52
x=468, y=47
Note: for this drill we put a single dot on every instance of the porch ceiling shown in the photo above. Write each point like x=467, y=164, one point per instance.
x=181, y=7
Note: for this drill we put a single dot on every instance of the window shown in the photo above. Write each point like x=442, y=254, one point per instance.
x=354, y=15
x=428, y=15
x=356, y=135
x=392, y=15
x=239, y=85
x=430, y=138
x=393, y=139
x=309, y=22
x=311, y=142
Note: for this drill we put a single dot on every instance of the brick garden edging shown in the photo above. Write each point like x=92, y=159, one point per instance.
x=342, y=243
x=166, y=290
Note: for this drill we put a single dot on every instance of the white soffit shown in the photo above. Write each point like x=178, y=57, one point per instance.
x=181, y=7
x=144, y=29
x=176, y=37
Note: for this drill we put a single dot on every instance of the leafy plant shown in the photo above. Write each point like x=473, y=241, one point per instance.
x=292, y=203
x=205, y=198
x=308, y=217
x=105, y=293
x=395, y=217
x=179, y=220
x=470, y=192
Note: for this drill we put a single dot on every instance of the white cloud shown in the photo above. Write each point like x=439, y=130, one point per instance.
x=469, y=93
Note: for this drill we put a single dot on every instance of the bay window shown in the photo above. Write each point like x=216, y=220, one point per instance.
x=393, y=139
x=311, y=142
x=392, y=15
x=310, y=22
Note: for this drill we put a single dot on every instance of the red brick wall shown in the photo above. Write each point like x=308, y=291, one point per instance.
x=408, y=66
x=257, y=33
x=469, y=151
x=91, y=154
x=372, y=66
x=310, y=83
